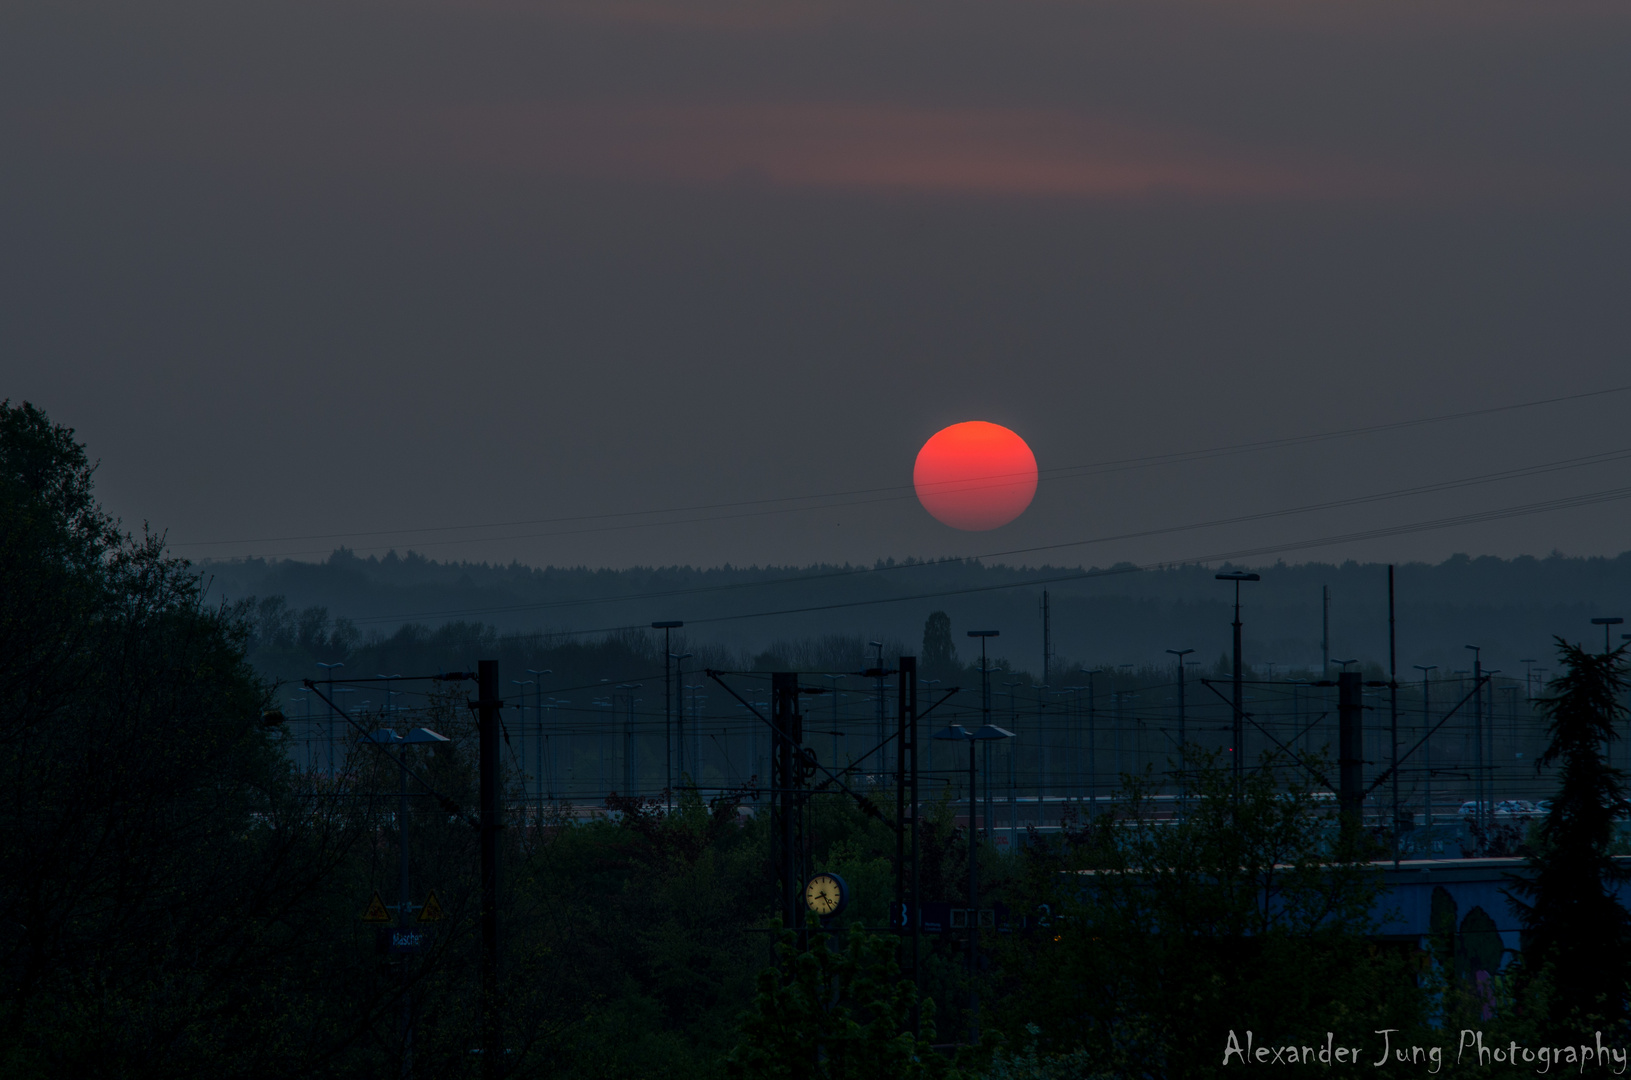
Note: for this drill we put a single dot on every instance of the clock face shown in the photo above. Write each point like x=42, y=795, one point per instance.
x=825, y=894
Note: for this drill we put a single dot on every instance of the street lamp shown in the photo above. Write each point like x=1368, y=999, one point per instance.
x=1237, y=576
x=986, y=734
x=1605, y=623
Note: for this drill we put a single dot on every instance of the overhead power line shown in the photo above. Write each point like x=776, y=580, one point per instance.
x=792, y=579
x=862, y=496
x=1476, y=517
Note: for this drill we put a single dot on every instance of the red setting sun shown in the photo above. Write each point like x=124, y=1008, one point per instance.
x=975, y=476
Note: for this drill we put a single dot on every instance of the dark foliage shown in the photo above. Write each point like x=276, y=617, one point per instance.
x=1160, y=936
x=158, y=874
x=1575, y=927
x=826, y=1013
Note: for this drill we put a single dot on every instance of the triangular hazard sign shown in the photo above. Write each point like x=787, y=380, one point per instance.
x=432, y=911
x=376, y=911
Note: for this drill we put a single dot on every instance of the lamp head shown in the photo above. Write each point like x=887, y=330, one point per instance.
x=1238, y=575
x=424, y=735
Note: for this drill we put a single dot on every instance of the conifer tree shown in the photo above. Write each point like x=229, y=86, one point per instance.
x=1576, y=932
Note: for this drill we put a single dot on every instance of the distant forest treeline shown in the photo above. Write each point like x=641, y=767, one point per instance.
x=821, y=617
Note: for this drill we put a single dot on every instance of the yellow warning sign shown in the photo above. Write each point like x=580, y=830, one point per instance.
x=376, y=911
x=432, y=911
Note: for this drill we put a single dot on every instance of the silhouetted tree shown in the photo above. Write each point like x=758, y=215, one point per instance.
x=938, y=650
x=160, y=877
x=1575, y=926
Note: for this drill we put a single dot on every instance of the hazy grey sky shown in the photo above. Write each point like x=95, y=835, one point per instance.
x=307, y=269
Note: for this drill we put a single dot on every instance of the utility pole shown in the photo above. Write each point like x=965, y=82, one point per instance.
x=1427, y=742
x=1478, y=738
x=986, y=733
x=1183, y=737
x=1606, y=623
x=883, y=754
x=1092, y=742
x=668, y=710
x=990, y=817
x=628, y=740
x=1239, y=732
x=786, y=784
x=835, y=680
x=545, y=787
x=907, y=915
x=330, y=669
x=1393, y=711
x=487, y=706
x=404, y=905
x=1047, y=642
x=1325, y=631
x=1351, y=750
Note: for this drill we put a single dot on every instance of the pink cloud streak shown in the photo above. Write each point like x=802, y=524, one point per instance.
x=884, y=148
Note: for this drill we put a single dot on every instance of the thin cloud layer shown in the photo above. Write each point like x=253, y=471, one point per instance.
x=868, y=148
x=304, y=266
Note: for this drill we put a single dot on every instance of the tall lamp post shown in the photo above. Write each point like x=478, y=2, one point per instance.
x=1605, y=623
x=986, y=734
x=1239, y=731
x=668, y=710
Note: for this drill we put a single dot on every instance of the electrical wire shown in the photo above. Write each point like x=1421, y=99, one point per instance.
x=892, y=492
x=1433, y=488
